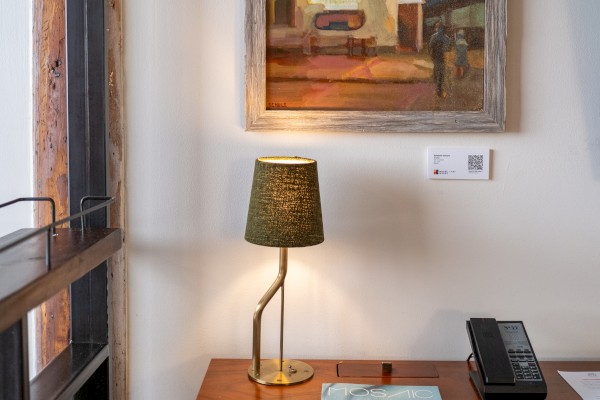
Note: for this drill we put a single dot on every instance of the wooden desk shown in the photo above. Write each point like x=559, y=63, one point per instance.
x=227, y=379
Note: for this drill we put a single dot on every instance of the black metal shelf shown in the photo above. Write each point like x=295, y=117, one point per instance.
x=35, y=264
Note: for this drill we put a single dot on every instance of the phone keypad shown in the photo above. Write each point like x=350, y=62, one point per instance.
x=520, y=352
x=524, y=365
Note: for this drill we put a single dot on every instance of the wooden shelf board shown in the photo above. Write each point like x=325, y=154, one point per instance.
x=25, y=281
x=67, y=373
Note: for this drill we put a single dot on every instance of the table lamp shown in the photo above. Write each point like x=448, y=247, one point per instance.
x=285, y=211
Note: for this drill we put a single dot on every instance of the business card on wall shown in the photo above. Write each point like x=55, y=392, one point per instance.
x=346, y=391
x=458, y=163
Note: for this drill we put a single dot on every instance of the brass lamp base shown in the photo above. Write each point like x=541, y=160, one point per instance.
x=293, y=372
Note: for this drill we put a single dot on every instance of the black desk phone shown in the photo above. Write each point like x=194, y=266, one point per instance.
x=506, y=364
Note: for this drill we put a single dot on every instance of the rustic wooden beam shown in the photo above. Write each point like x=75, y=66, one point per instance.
x=51, y=165
x=116, y=188
x=50, y=157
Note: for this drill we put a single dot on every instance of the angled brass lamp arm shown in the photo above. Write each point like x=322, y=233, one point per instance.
x=277, y=284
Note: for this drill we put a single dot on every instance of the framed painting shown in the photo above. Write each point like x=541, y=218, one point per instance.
x=375, y=65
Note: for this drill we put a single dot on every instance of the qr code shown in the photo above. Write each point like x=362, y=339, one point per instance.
x=475, y=162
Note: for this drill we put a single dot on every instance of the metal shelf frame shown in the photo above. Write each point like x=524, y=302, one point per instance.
x=78, y=258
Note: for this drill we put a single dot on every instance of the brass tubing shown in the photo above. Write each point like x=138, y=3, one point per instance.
x=281, y=330
x=278, y=283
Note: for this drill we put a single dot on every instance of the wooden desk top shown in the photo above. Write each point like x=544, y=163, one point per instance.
x=228, y=379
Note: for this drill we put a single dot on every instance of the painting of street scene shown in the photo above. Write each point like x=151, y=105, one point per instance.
x=375, y=55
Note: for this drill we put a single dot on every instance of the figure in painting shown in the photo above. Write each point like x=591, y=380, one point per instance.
x=461, y=62
x=438, y=46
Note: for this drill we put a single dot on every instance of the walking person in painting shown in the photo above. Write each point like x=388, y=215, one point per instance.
x=461, y=62
x=438, y=46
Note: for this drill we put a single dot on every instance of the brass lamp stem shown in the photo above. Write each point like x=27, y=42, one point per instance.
x=281, y=323
x=272, y=372
x=259, y=310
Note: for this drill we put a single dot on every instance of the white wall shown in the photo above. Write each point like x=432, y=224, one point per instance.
x=15, y=113
x=405, y=260
x=15, y=124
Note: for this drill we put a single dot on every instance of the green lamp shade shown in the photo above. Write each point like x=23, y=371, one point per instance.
x=285, y=205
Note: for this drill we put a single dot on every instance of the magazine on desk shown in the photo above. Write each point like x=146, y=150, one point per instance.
x=347, y=391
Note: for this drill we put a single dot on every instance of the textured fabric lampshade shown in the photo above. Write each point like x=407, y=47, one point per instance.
x=285, y=204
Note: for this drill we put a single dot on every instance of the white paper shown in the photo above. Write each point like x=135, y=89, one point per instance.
x=586, y=384
x=458, y=163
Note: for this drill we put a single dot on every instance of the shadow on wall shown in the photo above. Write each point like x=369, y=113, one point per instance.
x=378, y=215
x=584, y=22
x=447, y=326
